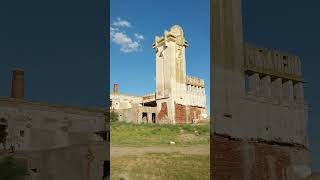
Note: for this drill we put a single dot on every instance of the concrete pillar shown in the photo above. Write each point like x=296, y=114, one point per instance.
x=287, y=91
x=254, y=84
x=266, y=86
x=149, y=117
x=276, y=89
x=298, y=92
x=290, y=91
x=17, y=86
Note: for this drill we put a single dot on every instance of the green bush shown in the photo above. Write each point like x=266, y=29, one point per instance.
x=11, y=169
x=114, y=116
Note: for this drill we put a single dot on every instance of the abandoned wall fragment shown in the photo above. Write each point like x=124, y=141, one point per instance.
x=251, y=160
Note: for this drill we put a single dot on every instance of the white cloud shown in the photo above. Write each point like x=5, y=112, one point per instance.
x=139, y=36
x=126, y=43
x=121, y=23
x=121, y=38
x=114, y=29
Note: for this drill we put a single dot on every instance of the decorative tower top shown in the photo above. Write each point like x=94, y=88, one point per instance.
x=175, y=34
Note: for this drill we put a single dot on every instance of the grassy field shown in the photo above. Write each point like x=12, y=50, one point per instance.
x=143, y=152
x=156, y=166
x=129, y=134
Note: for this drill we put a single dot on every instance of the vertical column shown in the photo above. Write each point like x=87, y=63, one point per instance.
x=285, y=92
x=266, y=81
x=276, y=90
x=290, y=91
x=254, y=84
x=149, y=117
x=298, y=92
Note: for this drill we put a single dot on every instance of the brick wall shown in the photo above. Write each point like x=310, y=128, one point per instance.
x=227, y=159
x=193, y=113
x=237, y=159
x=180, y=111
x=271, y=162
x=163, y=112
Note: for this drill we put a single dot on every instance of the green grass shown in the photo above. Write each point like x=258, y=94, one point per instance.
x=154, y=134
x=157, y=166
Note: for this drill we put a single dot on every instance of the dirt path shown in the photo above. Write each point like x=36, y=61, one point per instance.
x=117, y=151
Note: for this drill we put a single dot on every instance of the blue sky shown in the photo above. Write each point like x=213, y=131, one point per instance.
x=132, y=59
x=60, y=45
x=291, y=26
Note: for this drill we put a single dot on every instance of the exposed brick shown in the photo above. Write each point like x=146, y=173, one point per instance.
x=193, y=113
x=226, y=155
x=163, y=112
x=271, y=162
x=180, y=111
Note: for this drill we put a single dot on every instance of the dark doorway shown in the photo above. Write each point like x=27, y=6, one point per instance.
x=106, y=169
x=3, y=135
x=153, y=117
x=145, y=117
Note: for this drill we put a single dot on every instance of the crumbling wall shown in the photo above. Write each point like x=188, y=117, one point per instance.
x=251, y=160
x=194, y=114
x=163, y=114
x=180, y=111
x=227, y=160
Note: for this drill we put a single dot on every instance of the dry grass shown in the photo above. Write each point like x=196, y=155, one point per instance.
x=158, y=166
x=128, y=134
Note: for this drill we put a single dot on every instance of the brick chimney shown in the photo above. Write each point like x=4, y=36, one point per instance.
x=17, y=84
x=115, y=88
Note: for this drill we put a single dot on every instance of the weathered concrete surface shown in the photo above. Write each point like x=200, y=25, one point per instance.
x=54, y=139
x=239, y=159
x=258, y=105
x=64, y=163
x=34, y=126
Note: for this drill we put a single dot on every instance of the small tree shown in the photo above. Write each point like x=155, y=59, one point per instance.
x=11, y=169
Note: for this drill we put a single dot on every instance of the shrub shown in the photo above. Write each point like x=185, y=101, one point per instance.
x=11, y=169
x=114, y=116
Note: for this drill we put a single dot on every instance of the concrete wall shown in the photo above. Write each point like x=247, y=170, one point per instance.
x=258, y=106
x=258, y=93
x=123, y=101
x=35, y=126
x=135, y=115
x=66, y=163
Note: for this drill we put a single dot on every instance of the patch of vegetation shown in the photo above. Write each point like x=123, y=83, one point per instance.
x=11, y=169
x=114, y=116
x=130, y=134
x=161, y=166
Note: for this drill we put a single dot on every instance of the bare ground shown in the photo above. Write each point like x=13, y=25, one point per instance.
x=117, y=151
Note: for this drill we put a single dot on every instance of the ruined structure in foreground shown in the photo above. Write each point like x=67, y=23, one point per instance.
x=260, y=115
x=179, y=99
x=53, y=141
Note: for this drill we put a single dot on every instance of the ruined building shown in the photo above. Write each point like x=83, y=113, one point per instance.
x=260, y=115
x=179, y=99
x=53, y=141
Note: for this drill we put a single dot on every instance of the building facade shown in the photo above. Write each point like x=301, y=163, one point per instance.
x=178, y=99
x=260, y=115
x=53, y=141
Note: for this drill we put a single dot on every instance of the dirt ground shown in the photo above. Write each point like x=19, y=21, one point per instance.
x=117, y=151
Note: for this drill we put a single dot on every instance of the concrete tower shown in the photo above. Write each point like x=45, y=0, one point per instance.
x=228, y=61
x=175, y=91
